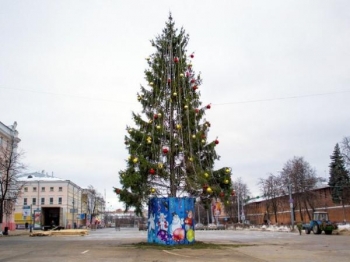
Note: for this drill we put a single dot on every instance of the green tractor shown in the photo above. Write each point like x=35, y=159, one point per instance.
x=319, y=223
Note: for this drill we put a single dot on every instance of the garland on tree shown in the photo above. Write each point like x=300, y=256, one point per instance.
x=169, y=151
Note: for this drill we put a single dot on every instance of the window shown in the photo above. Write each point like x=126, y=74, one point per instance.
x=25, y=201
x=34, y=201
x=51, y=200
x=43, y=189
x=60, y=200
x=26, y=189
x=51, y=188
x=34, y=188
x=43, y=200
x=60, y=189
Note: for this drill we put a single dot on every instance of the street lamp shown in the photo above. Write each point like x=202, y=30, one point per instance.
x=291, y=203
x=73, y=214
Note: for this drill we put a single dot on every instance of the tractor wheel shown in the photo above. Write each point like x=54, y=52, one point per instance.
x=328, y=232
x=316, y=229
x=307, y=231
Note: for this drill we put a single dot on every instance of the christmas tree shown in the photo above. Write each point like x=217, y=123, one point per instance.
x=169, y=151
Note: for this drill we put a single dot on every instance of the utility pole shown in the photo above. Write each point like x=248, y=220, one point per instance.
x=199, y=214
x=73, y=215
x=291, y=204
x=238, y=205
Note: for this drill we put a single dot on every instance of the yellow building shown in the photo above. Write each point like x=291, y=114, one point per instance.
x=47, y=200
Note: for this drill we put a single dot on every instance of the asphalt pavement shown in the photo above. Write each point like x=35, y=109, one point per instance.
x=236, y=245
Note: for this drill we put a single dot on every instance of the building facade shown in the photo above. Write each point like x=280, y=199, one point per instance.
x=8, y=143
x=46, y=201
x=256, y=211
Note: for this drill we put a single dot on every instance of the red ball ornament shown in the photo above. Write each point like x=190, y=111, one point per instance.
x=222, y=194
x=169, y=80
x=196, y=110
x=179, y=234
x=187, y=74
x=216, y=142
x=205, y=186
x=193, y=80
x=192, y=55
x=117, y=191
x=165, y=150
x=152, y=171
x=155, y=116
x=194, y=88
x=233, y=193
x=176, y=59
x=208, y=106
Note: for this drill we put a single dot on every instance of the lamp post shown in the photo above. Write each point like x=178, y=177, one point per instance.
x=291, y=204
x=73, y=214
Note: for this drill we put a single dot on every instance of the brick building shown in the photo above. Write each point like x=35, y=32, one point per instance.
x=259, y=210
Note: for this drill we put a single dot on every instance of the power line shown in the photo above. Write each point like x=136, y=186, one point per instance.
x=282, y=98
x=67, y=95
x=217, y=104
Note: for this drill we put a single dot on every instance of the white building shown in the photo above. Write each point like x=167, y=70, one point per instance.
x=47, y=200
x=8, y=143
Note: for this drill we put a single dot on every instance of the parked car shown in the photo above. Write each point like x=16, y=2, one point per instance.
x=199, y=226
x=212, y=227
x=143, y=226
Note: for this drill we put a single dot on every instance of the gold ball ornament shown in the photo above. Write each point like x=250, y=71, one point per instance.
x=227, y=170
x=206, y=174
x=153, y=190
x=135, y=160
x=158, y=126
x=178, y=126
x=186, y=106
x=181, y=75
x=226, y=181
x=174, y=94
x=160, y=165
x=159, y=115
x=151, y=83
x=209, y=190
x=193, y=136
x=203, y=141
x=191, y=159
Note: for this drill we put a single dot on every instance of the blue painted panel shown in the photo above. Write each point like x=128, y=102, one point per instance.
x=171, y=221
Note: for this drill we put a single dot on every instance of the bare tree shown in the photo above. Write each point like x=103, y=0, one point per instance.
x=302, y=178
x=271, y=189
x=94, y=199
x=345, y=151
x=10, y=168
x=241, y=196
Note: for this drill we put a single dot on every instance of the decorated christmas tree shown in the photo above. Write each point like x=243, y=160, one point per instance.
x=169, y=151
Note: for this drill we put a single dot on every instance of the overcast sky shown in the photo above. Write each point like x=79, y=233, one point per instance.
x=276, y=73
